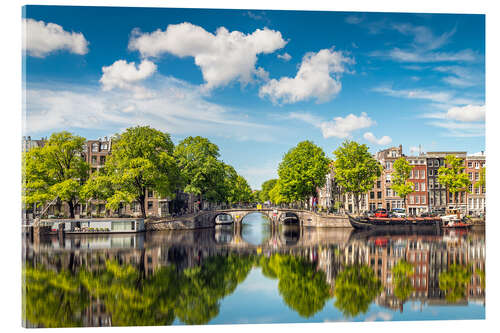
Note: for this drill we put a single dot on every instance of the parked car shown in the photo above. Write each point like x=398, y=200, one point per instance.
x=399, y=212
x=381, y=212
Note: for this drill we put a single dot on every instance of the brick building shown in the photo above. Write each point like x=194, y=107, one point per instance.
x=476, y=198
x=387, y=157
x=417, y=201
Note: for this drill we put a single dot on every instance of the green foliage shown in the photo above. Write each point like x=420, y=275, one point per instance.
x=355, y=168
x=355, y=289
x=55, y=170
x=302, y=170
x=304, y=289
x=256, y=196
x=401, y=185
x=142, y=159
x=202, y=173
x=401, y=277
x=52, y=299
x=454, y=282
x=275, y=195
x=267, y=186
x=452, y=175
x=482, y=178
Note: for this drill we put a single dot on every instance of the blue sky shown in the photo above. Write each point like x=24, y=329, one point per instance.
x=258, y=82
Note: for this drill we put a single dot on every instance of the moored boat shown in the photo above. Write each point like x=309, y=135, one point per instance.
x=362, y=222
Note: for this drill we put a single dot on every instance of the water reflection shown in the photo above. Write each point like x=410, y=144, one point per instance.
x=255, y=229
x=217, y=275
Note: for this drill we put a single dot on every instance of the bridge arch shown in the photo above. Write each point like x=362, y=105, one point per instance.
x=289, y=218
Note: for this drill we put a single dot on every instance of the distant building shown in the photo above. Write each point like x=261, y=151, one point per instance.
x=387, y=157
x=417, y=201
x=476, y=197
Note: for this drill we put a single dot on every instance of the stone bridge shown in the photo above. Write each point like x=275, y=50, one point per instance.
x=276, y=216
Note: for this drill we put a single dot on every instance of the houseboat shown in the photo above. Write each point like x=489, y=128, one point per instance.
x=449, y=221
x=97, y=225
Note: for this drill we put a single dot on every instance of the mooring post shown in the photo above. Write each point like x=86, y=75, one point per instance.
x=60, y=233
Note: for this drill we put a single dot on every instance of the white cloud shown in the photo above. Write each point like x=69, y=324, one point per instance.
x=285, y=56
x=176, y=107
x=354, y=19
x=460, y=76
x=124, y=75
x=419, y=56
x=468, y=113
x=338, y=127
x=43, y=38
x=460, y=129
x=385, y=140
x=222, y=58
x=318, y=77
x=423, y=37
x=440, y=97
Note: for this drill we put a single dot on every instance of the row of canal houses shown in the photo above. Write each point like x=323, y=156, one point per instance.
x=428, y=194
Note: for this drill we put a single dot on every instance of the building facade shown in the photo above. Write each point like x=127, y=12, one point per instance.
x=476, y=196
x=417, y=201
x=386, y=158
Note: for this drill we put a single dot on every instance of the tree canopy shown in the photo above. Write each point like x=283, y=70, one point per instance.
x=267, y=186
x=355, y=169
x=302, y=171
x=201, y=171
x=57, y=169
x=452, y=175
x=400, y=176
x=142, y=160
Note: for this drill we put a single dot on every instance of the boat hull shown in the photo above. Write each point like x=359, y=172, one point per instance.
x=365, y=223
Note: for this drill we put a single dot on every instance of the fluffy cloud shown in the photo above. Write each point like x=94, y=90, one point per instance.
x=43, y=38
x=468, y=113
x=339, y=127
x=285, y=56
x=176, y=107
x=318, y=77
x=222, y=58
x=385, y=140
x=124, y=75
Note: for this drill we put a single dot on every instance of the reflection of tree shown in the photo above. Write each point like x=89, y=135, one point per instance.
x=355, y=289
x=52, y=299
x=303, y=288
x=454, y=282
x=401, y=274
x=203, y=287
x=482, y=276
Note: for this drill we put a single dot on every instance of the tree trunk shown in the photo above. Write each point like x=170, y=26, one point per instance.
x=142, y=197
x=71, y=209
x=356, y=201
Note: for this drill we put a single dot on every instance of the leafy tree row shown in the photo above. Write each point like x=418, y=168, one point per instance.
x=142, y=159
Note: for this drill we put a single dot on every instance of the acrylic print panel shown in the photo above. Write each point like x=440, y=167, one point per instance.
x=209, y=166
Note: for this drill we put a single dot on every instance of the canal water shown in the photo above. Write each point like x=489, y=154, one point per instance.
x=253, y=274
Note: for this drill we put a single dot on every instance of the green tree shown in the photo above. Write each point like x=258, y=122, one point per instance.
x=275, y=195
x=202, y=173
x=241, y=192
x=142, y=160
x=482, y=178
x=267, y=186
x=401, y=274
x=454, y=282
x=256, y=196
x=355, y=169
x=400, y=176
x=452, y=176
x=302, y=171
x=57, y=169
x=355, y=289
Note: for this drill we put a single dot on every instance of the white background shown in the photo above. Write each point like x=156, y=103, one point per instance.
x=10, y=121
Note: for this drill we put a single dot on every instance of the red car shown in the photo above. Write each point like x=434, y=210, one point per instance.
x=381, y=212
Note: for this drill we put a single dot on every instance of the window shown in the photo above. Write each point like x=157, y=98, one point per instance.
x=422, y=200
x=150, y=205
x=431, y=200
x=416, y=187
x=379, y=195
x=388, y=192
x=372, y=195
x=95, y=147
x=102, y=160
x=104, y=146
x=483, y=188
x=378, y=184
x=417, y=199
x=470, y=188
x=150, y=194
x=94, y=160
x=477, y=190
x=476, y=165
x=436, y=163
x=470, y=175
x=422, y=187
x=387, y=178
x=477, y=175
x=411, y=199
x=422, y=174
x=430, y=163
x=411, y=174
x=469, y=164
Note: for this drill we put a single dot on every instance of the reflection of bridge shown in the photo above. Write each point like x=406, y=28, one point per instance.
x=277, y=216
